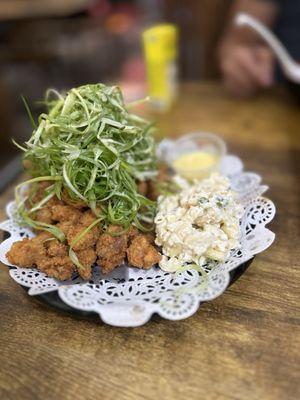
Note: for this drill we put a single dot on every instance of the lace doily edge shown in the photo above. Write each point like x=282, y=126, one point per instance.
x=135, y=314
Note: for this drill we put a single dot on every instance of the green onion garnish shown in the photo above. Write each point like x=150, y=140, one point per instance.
x=92, y=147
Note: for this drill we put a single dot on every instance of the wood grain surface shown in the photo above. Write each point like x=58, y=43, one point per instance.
x=243, y=345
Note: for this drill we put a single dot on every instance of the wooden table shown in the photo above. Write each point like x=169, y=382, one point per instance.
x=243, y=345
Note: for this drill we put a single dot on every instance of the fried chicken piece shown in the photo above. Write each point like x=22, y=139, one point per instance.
x=142, y=254
x=61, y=213
x=55, y=262
x=42, y=237
x=132, y=233
x=59, y=267
x=89, y=238
x=87, y=218
x=79, y=204
x=115, y=229
x=26, y=253
x=64, y=226
x=44, y=215
x=54, y=201
x=86, y=257
x=45, y=252
x=150, y=236
x=111, y=250
x=55, y=248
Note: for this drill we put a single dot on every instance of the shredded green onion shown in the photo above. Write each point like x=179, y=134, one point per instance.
x=93, y=148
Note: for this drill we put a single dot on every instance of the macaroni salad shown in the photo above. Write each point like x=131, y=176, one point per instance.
x=198, y=224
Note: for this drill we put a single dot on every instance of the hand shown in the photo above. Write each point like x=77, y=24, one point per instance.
x=246, y=68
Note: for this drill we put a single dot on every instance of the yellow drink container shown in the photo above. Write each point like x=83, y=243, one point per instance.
x=161, y=50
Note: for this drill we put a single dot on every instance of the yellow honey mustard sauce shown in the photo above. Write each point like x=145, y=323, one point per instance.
x=196, y=165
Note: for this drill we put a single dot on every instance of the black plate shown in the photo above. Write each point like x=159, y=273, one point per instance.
x=53, y=300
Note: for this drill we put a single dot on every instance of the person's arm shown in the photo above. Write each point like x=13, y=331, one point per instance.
x=246, y=63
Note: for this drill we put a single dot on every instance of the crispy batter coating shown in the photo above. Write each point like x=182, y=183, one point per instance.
x=44, y=215
x=54, y=201
x=86, y=257
x=42, y=237
x=111, y=250
x=55, y=248
x=61, y=213
x=90, y=238
x=45, y=252
x=72, y=218
x=79, y=204
x=59, y=267
x=87, y=218
x=51, y=256
x=142, y=254
x=64, y=226
x=132, y=233
x=150, y=236
x=25, y=253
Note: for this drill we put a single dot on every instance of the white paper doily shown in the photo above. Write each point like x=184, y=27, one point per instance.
x=128, y=297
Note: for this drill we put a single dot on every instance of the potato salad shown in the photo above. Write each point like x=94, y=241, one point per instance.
x=198, y=224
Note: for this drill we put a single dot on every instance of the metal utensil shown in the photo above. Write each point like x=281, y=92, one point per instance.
x=290, y=68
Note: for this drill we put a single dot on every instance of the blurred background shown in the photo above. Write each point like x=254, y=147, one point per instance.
x=66, y=43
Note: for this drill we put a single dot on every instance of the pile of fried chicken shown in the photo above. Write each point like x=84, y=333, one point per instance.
x=109, y=247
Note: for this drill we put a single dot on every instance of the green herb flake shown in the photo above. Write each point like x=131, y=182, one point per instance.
x=203, y=200
x=221, y=202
